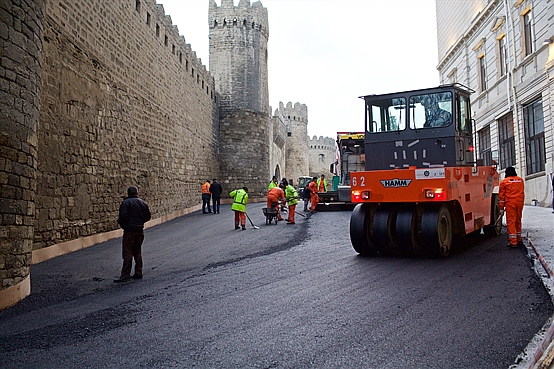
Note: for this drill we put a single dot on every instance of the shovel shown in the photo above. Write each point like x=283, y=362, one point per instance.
x=255, y=227
x=499, y=217
x=299, y=214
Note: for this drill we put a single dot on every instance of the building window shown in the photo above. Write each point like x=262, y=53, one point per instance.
x=148, y=17
x=527, y=38
x=157, y=30
x=485, y=145
x=482, y=72
x=322, y=158
x=166, y=40
x=289, y=134
x=502, y=56
x=506, y=141
x=533, y=122
x=137, y=5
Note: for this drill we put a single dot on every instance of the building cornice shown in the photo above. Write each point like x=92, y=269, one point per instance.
x=481, y=17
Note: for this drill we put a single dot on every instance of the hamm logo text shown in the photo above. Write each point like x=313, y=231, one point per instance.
x=394, y=183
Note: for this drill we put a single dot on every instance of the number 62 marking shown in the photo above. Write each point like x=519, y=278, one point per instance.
x=355, y=181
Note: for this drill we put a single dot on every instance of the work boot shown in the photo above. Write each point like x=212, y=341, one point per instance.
x=520, y=243
x=122, y=279
x=244, y=228
x=237, y=227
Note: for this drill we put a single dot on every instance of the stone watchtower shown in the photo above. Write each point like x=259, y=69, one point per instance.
x=238, y=63
x=296, y=122
x=21, y=72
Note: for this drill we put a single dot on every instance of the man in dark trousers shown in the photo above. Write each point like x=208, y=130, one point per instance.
x=133, y=213
x=216, y=191
x=206, y=197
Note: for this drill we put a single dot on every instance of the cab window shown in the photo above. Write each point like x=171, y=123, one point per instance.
x=431, y=110
x=386, y=115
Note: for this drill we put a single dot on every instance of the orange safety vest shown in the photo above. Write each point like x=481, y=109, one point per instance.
x=206, y=188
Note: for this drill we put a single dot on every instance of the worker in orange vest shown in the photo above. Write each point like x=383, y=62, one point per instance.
x=276, y=196
x=206, y=197
x=512, y=196
x=314, y=198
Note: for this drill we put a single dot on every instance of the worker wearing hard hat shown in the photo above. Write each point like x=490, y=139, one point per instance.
x=512, y=196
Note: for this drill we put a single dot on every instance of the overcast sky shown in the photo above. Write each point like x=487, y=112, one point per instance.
x=327, y=53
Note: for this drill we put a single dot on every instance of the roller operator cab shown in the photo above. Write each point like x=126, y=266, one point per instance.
x=421, y=186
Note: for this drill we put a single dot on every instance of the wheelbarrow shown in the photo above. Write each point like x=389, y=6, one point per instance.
x=270, y=215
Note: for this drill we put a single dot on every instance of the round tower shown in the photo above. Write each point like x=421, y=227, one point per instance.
x=238, y=62
x=296, y=157
x=19, y=111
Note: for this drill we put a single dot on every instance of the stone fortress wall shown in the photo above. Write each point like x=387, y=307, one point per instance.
x=134, y=109
x=96, y=96
x=321, y=152
x=277, y=162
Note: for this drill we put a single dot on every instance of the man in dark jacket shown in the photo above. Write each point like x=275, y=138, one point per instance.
x=133, y=213
x=306, y=197
x=216, y=190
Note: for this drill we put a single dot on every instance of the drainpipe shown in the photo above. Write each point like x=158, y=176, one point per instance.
x=510, y=23
x=508, y=40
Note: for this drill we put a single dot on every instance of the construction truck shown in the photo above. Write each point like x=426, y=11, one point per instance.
x=303, y=182
x=349, y=157
x=421, y=186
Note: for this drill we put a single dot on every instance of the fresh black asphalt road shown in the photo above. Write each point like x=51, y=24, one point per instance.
x=283, y=296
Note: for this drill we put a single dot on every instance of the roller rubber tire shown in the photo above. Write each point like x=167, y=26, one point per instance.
x=359, y=230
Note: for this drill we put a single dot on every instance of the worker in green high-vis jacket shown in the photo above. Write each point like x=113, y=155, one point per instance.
x=240, y=197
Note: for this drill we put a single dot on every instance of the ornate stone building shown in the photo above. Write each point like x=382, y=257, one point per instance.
x=504, y=51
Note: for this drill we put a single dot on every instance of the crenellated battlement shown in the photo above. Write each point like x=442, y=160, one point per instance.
x=244, y=16
x=321, y=142
x=296, y=113
x=168, y=33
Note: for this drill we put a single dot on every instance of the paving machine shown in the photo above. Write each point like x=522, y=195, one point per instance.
x=349, y=157
x=421, y=186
